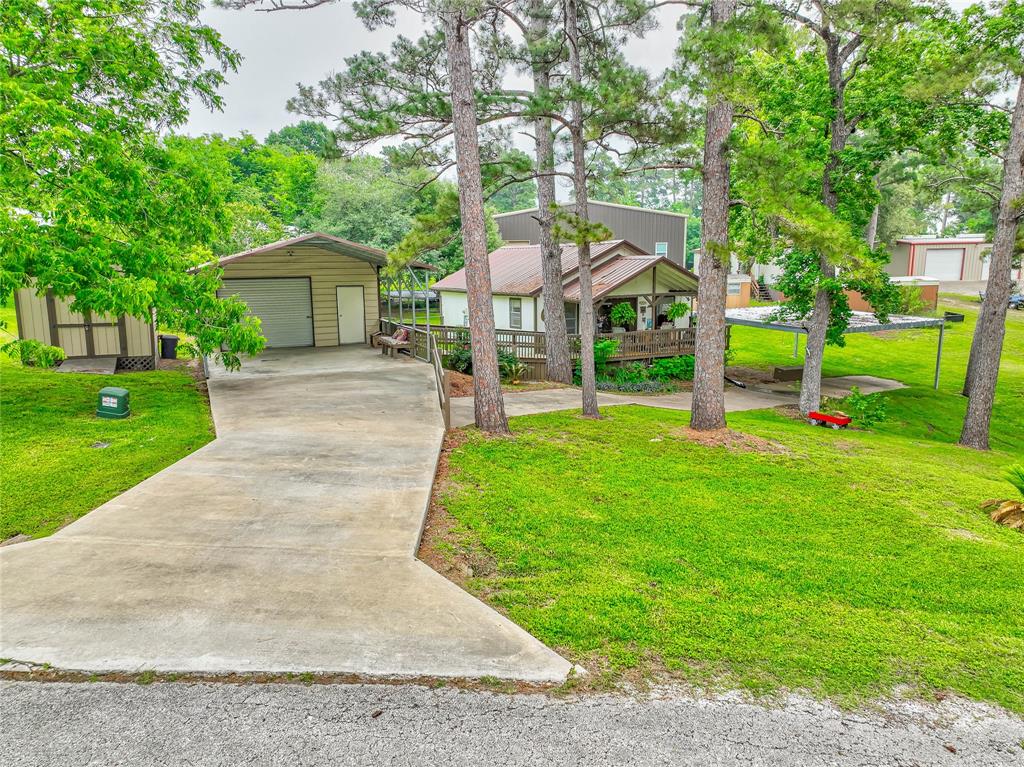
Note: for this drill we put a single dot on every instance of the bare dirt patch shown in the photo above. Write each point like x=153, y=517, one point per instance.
x=735, y=441
x=750, y=375
x=444, y=546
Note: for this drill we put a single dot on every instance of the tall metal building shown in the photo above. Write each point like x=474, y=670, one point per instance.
x=657, y=232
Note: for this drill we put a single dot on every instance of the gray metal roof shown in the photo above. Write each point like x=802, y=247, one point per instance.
x=767, y=317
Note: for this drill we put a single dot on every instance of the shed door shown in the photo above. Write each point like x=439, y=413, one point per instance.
x=351, y=315
x=283, y=305
x=944, y=263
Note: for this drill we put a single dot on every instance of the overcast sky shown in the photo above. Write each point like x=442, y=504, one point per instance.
x=288, y=47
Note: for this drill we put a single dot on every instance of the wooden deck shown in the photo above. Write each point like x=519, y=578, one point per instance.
x=529, y=346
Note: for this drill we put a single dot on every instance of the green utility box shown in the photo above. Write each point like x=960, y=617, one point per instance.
x=113, y=403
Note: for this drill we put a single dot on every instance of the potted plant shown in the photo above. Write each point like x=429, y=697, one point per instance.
x=678, y=312
x=622, y=316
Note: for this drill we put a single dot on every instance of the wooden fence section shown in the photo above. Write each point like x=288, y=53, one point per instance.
x=529, y=346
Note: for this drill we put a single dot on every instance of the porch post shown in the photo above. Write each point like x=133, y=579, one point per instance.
x=401, y=297
x=938, y=354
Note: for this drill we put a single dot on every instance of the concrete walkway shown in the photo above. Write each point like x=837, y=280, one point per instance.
x=286, y=544
x=550, y=400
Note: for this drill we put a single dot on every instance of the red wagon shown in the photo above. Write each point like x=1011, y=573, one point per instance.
x=824, y=419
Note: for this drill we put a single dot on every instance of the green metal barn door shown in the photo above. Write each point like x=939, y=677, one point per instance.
x=283, y=305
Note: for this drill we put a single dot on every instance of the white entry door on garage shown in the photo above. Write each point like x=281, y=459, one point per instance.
x=944, y=263
x=351, y=315
x=283, y=304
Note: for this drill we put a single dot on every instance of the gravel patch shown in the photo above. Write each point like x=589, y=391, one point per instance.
x=217, y=724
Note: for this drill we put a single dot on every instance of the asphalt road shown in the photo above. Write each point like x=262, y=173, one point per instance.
x=210, y=724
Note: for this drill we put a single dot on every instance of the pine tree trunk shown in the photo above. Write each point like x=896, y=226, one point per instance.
x=817, y=328
x=489, y=407
x=987, y=347
x=708, y=408
x=579, y=163
x=556, y=339
x=979, y=333
x=872, y=233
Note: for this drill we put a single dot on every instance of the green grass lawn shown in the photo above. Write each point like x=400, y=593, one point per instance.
x=49, y=473
x=854, y=563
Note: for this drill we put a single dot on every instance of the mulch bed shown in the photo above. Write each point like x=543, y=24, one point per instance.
x=462, y=385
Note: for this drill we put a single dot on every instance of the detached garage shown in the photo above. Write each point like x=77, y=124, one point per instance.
x=313, y=290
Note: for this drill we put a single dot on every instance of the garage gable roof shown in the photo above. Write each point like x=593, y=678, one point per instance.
x=343, y=247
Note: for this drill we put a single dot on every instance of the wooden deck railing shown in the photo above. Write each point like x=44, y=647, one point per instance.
x=444, y=391
x=529, y=346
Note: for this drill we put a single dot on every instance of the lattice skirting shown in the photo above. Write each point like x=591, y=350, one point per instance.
x=134, y=364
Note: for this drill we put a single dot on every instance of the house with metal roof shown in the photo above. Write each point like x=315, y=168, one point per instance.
x=658, y=232
x=622, y=273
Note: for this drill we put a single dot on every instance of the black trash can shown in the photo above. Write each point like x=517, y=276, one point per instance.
x=168, y=347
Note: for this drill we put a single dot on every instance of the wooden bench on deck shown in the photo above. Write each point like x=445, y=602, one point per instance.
x=390, y=345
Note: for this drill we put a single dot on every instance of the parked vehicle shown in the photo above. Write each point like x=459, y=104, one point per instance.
x=1016, y=300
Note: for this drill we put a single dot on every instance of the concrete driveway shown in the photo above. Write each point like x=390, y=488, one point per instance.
x=287, y=544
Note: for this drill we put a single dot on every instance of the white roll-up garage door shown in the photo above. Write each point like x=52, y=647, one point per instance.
x=944, y=263
x=283, y=305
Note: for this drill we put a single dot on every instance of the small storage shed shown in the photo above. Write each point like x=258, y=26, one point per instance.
x=50, y=320
x=313, y=290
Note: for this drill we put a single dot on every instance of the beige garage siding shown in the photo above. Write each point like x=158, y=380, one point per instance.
x=326, y=270
x=34, y=322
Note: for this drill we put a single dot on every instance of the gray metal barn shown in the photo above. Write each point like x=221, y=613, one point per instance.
x=657, y=232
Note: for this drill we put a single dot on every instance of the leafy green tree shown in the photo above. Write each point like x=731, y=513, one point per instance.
x=853, y=88
x=306, y=137
x=266, y=188
x=366, y=199
x=94, y=205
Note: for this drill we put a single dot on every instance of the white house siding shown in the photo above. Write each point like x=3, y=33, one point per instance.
x=455, y=310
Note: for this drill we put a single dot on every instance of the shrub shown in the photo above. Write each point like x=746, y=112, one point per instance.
x=510, y=367
x=910, y=301
x=460, y=359
x=649, y=386
x=865, y=409
x=1007, y=511
x=673, y=368
x=604, y=350
x=631, y=373
x=32, y=353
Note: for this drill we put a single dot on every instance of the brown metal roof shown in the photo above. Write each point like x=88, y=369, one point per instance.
x=618, y=271
x=516, y=270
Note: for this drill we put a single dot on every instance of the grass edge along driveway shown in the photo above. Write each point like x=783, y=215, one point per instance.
x=849, y=564
x=50, y=473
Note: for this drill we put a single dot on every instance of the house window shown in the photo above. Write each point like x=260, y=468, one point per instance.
x=515, y=313
x=735, y=288
x=661, y=249
x=465, y=318
x=572, y=326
